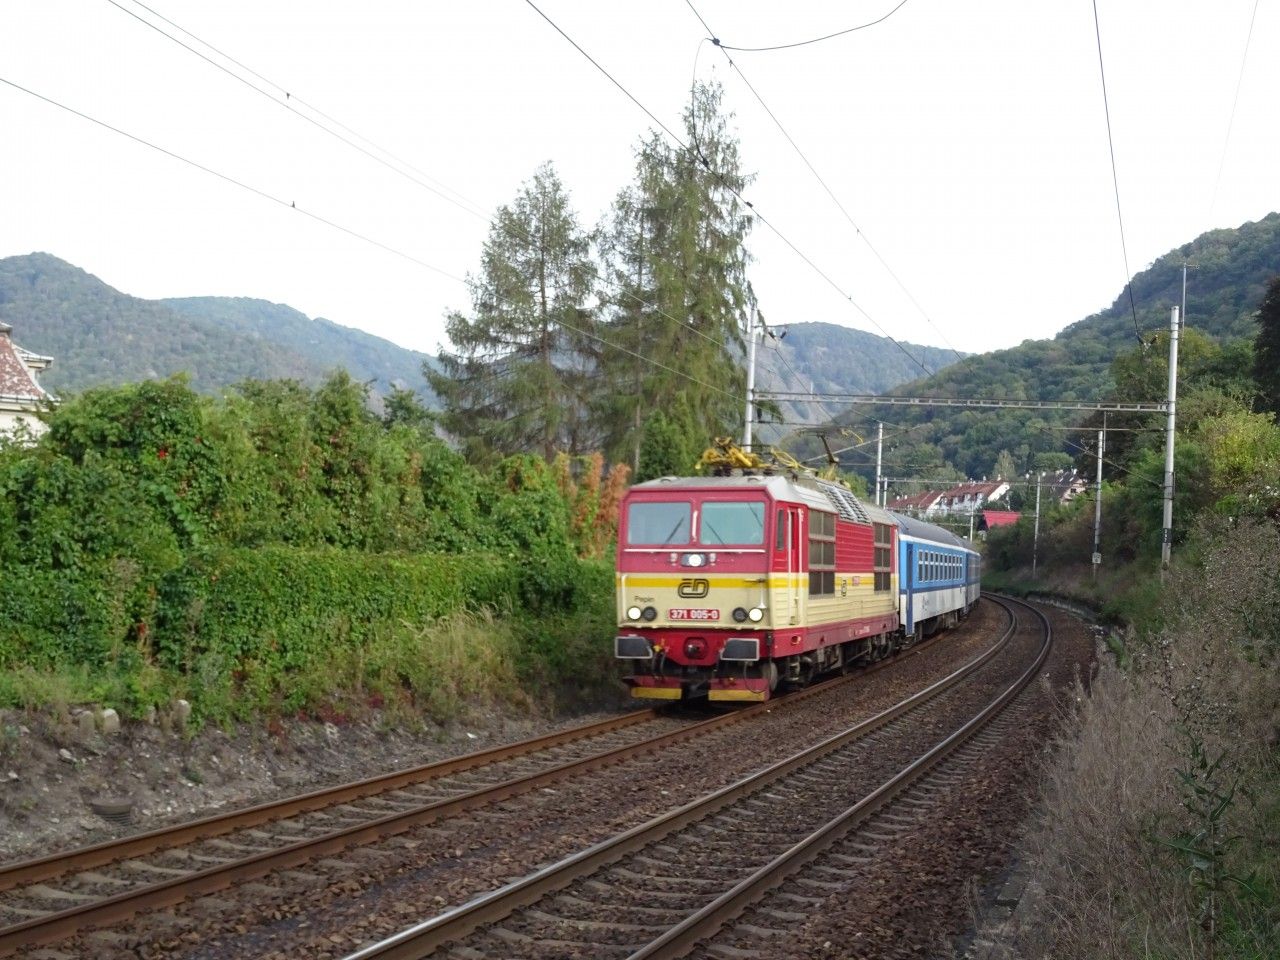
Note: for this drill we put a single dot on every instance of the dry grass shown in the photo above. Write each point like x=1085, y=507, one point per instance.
x=1113, y=797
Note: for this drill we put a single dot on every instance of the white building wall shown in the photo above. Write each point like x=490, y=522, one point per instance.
x=15, y=423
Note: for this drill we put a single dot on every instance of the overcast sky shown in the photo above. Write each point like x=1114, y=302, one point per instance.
x=966, y=140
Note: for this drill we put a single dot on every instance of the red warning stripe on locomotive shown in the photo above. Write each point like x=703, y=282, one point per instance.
x=702, y=614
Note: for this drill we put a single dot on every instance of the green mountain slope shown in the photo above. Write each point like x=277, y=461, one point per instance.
x=828, y=358
x=98, y=335
x=318, y=341
x=1227, y=274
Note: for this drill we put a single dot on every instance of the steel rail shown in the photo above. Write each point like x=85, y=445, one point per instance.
x=113, y=909
x=684, y=936
x=420, y=940
x=86, y=858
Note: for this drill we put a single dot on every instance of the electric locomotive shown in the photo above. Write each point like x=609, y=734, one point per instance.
x=733, y=586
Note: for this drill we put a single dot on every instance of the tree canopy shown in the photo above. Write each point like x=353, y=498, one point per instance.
x=525, y=363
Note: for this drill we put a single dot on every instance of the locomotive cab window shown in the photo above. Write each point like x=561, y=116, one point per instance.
x=822, y=553
x=658, y=524
x=736, y=522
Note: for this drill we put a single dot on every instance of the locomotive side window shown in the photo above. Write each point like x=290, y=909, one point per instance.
x=658, y=524
x=781, y=542
x=882, y=563
x=736, y=523
x=822, y=553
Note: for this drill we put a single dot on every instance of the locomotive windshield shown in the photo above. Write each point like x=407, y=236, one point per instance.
x=658, y=524
x=736, y=523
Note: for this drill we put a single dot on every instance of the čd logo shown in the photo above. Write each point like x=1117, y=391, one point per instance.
x=694, y=589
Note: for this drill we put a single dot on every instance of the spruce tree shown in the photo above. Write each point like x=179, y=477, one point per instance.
x=675, y=257
x=525, y=366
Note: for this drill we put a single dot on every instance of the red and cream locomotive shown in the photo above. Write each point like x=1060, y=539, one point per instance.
x=728, y=586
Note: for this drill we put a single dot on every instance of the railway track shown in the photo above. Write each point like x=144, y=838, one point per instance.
x=50, y=898
x=662, y=889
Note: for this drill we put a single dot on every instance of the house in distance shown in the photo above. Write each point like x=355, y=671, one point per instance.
x=21, y=396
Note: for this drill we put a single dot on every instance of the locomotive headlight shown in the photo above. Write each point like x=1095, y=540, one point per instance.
x=693, y=560
x=649, y=613
x=633, y=613
x=739, y=614
x=756, y=615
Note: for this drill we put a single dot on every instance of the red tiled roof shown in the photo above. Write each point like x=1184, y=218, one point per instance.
x=922, y=500
x=999, y=518
x=15, y=378
x=975, y=488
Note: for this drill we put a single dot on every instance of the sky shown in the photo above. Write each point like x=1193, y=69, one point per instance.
x=967, y=144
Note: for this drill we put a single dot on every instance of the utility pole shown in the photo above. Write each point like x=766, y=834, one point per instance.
x=879, y=460
x=752, y=334
x=1035, y=536
x=1097, y=500
x=1166, y=533
x=1182, y=318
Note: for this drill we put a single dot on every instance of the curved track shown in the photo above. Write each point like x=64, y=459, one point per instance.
x=662, y=888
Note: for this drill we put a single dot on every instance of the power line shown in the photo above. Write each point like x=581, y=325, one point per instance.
x=817, y=176
x=1046, y=430
x=805, y=43
x=461, y=202
x=1115, y=179
x=289, y=105
x=625, y=92
x=728, y=186
x=777, y=348
x=1217, y=181
x=294, y=98
x=978, y=403
x=291, y=205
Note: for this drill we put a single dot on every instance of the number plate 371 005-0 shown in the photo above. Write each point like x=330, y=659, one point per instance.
x=693, y=613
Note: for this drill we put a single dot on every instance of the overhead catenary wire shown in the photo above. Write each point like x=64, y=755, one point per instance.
x=1235, y=101
x=812, y=40
x=1045, y=429
x=755, y=211
x=1115, y=177
x=821, y=182
x=458, y=199
x=776, y=345
x=292, y=97
x=292, y=205
x=400, y=167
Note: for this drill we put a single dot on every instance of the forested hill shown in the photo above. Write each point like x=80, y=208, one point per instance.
x=828, y=358
x=1227, y=274
x=318, y=341
x=98, y=335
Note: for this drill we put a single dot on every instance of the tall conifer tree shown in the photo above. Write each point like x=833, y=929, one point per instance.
x=675, y=257
x=521, y=378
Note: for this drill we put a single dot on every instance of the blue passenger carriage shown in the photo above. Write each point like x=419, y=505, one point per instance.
x=939, y=576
